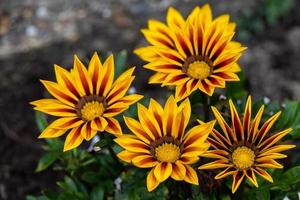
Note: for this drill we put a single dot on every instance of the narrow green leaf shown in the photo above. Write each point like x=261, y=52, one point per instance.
x=46, y=160
x=97, y=193
x=120, y=63
x=41, y=121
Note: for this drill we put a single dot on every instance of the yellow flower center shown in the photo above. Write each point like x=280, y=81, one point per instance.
x=91, y=110
x=167, y=152
x=199, y=70
x=243, y=157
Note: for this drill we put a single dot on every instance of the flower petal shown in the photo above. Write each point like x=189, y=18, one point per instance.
x=132, y=143
x=162, y=171
x=191, y=175
x=99, y=124
x=52, y=133
x=144, y=161
x=74, y=139
x=238, y=177
x=152, y=182
x=113, y=126
x=178, y=171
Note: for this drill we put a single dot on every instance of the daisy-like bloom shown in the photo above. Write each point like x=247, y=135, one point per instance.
x=244, y=149
x=86, y=100
x=196, y=53
x=160, y=142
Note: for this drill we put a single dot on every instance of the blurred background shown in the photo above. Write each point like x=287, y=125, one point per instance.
x=35, y=34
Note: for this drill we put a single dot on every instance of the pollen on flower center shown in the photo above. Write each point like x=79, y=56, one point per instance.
x=243, y=157
x=91, y=106
x=91, y=110
x=199, y=70
x=198, y=67
x=167, y=152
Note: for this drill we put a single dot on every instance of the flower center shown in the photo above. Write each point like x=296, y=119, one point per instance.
x=166, y=149
x=243, y=157
x=91, y=110
x=198, y=67
x=91, y=106
x=167, y=152
x=198, y=70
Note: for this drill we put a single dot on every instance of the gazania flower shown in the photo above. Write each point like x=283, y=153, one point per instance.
x=244, y=149
x=161, y=143
x=86, y=100
x=196, y=53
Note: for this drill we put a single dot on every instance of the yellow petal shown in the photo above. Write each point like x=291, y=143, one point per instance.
x=152, y=182
x=73, y=140
x=162, y=171
x=191, y=175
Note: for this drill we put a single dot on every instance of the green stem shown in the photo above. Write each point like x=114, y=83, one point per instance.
x=206, y=107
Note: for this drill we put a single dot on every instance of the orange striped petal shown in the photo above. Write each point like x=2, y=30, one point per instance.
x=198, y=134
x=137, y=129
x=170, y=111
x=130, y=99
x=251, y=176
x=152, y=182
x=265, y=128
x=113, y=126
x=148, y=122
x=82, y=79
x=115, y=109
x=59, y=93
x=263, y=174
x=273, y=139
x=74, y=139
x=195, y=150
x=132, y=143
x=65, y=79
x=224, y=126
x=144, y=161
x=174, y=19
x=120, y=86
x=236, y=122
x=99, y=124
x=66, y=123
x=54, y=107
x=188, y=160
x=52, y=133
x=106, y=76
x=162, y=171
x=247, y=118
x=238, y=177
x=228, y=171
x=127, y=156
x=178, y=171
x=255, y=123
x=215, y=165
x=87, y=132
x=191, y=175
x=95, y=66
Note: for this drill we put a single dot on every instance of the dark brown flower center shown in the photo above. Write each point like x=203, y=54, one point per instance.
x=198, y=67
x=91, y=106
x=166, y=149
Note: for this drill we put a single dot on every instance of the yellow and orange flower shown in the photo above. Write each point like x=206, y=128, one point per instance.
x=244, y=148
x=160, y=142
x=86, y=100
x=196, y=53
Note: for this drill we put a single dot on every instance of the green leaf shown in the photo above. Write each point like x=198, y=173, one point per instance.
x=41, y=121
x=120, y=63
x=101, y=144
x=291, y=176
x=97, y=193
x=46, y=160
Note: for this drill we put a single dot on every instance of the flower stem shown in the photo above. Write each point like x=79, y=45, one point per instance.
x=113, y=154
